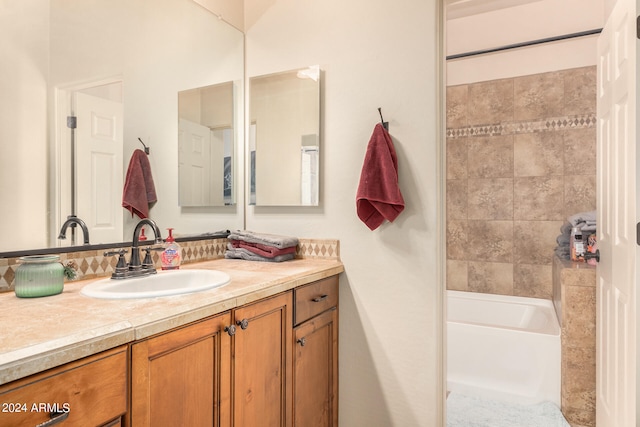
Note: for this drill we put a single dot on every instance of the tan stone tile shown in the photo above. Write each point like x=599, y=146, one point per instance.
x=490, y=199
x=579, y=194
x=456, y=158
x=457, y=273
x=534, y=241
x=491, y=277
x=490, y=102
x=580, y=151
x=457, y=102
x=530, y=280
x=457, y=239
x=578, y=316
x=490, y=241
x=539, y=96
x=538, y=198
x=490, y=156
x=583, y=275
x=580, y=86
x=457, y=199
x=538, y=154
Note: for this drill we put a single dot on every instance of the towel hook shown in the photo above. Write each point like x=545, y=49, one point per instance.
x=146, y=149
x=384, y=124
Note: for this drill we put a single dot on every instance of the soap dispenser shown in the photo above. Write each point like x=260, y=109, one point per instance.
x=170, y=257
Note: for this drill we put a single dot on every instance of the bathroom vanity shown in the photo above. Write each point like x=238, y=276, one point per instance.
x=261, y=350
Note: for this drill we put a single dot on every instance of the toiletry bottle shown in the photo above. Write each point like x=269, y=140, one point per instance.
x=171, y=255
x=577, y=245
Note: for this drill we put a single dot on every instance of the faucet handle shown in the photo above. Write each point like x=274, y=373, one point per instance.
x=148, y=261
x=121, y=266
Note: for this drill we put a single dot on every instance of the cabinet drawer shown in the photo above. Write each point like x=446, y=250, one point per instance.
x=314, y=298
x=91, y=391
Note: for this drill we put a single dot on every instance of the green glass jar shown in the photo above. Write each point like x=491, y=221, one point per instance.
x=39, y=276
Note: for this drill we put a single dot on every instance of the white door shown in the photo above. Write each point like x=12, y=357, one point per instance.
x=616, y=273
x=99, y=167
x=194, y=164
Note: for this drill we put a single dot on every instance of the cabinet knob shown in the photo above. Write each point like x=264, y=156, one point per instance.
x=244, y=324
x=302, y=341
x=56, y=418
x=231, y=330
x=320, y=298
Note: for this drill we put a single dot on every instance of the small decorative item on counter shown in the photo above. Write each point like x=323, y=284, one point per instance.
x=577, y=245
x=170, y=257
x=70, y=269
x=39, y=276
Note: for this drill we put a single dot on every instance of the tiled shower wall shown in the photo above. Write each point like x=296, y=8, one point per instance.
x=521, y=158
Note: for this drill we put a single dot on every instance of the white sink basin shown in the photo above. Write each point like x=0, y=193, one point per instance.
x=174, y=282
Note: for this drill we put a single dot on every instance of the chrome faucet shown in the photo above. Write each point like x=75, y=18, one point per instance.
x=71, y=221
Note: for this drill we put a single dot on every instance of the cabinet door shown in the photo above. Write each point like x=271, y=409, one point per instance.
x=88, y=392
x=315, y=375
x=181, y=378
x=262, y=363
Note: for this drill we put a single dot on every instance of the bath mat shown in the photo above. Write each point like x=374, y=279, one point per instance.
x=471, y=411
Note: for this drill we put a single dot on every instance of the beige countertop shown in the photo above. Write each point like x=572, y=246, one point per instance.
x=41, y=333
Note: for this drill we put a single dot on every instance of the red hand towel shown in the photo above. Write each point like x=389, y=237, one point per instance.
x=262, y=250
x=139, y=191
x=379, y=195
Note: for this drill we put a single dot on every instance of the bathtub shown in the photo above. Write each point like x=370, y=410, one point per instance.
x=503, y=347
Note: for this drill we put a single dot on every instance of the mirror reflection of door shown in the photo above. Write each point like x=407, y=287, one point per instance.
x=99, y=166
x=90, y=178
x=205, y=146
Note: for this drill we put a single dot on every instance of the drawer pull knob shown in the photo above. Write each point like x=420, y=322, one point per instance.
x=320, y=298
x=302, y=341
x=231, y=330
x=56, y=417
x=244, y=324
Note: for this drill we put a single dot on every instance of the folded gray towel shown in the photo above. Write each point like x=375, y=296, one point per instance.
x=274, y=240
x=240, y=253
x=563, y=240
x=582, y=217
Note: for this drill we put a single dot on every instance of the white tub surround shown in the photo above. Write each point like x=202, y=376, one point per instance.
x=503, y=347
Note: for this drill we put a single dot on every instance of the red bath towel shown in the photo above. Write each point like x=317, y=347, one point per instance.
x=139, y=191
x=379, y=195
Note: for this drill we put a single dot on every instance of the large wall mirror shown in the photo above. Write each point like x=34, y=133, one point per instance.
x=284, y=138
x=118, y=66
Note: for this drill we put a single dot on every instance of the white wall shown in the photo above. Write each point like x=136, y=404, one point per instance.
x=374, y=54
x=520, y=24
x=24, y=73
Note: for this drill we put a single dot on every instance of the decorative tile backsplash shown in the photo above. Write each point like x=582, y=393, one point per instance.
x=93, y=263
x=521, y=158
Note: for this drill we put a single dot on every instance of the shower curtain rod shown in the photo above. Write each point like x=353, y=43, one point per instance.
x=525, y=44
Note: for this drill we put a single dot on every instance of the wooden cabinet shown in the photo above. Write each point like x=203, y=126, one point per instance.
x=261, y=366
x=315, y=355
x=88, y=392
x=181, y=378
x=232, y=369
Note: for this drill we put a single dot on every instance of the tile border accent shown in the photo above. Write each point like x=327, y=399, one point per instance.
x=516, y=127
x=93, y=264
